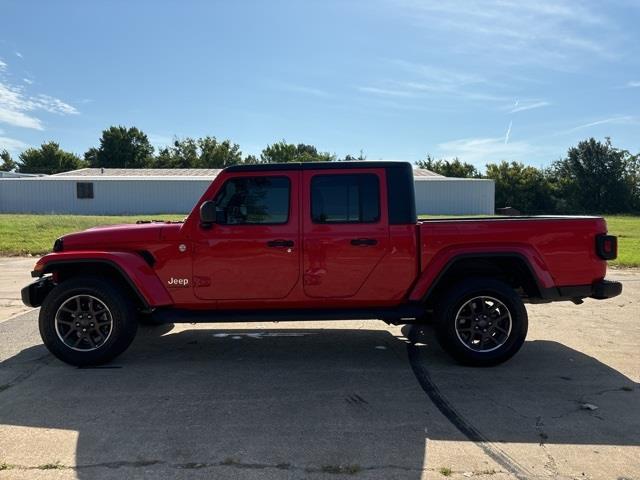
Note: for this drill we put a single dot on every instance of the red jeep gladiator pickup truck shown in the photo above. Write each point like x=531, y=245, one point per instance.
x=317, y=241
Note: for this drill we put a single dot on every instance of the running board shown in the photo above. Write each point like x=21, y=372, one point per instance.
x=397, y=316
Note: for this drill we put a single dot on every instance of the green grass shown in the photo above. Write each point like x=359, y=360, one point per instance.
x=627, y=228
x=35, y=234
x=52, y=466
x=445, y=471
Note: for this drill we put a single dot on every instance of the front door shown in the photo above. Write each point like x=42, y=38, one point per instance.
x=253, y=251
x=346, y=232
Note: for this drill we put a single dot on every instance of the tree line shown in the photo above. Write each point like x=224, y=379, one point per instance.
x=593, y=177
x=122, y=147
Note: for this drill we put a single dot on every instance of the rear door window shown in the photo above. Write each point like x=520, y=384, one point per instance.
x=345, y=198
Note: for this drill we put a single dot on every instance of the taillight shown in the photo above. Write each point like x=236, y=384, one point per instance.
x=607, y=246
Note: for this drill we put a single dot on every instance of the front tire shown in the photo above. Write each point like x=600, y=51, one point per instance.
x=481, y=322
x=87, y=321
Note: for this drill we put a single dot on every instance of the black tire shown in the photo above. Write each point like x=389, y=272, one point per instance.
x=466, y=343
x=123, y=324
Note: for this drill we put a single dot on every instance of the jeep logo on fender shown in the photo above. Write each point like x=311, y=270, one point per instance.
x=178, y=282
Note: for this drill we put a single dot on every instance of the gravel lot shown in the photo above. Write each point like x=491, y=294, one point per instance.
x=326, y=400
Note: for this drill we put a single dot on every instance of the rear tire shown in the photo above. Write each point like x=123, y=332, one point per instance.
x=87, y=321
x=481, y=322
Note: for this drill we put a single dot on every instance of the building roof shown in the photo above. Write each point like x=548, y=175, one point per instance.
x=423, y=172
x=141, y=172
x=20, y=175
x=175, y=172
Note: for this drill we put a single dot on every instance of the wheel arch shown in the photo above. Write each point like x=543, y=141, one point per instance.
x=133, y=275
x=67, y=269
x=512, y=268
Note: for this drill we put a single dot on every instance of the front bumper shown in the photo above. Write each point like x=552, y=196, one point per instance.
x=599, y=290
x=34, y=294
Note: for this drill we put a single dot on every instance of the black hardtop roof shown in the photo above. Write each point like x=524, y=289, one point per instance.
x=261, y=167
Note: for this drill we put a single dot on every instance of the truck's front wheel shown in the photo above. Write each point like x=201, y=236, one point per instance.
x=481, y=322
x=87, y=321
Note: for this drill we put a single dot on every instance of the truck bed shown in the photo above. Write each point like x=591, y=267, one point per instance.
x=562, y=248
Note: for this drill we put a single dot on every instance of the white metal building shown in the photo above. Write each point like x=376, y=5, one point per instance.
x=96, y=191
x=454, y=196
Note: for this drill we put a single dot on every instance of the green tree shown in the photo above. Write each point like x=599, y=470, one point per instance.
x=633, y=181
x=595, y=177
x=250, y=160
x=182, y=154
x=351, y=158
x=523, y=187
x=121, y=147
x=91, y=156
x=8, y=165
x=449, y=168
x=206, y=152
x=48, y=159
x=283, y=152
x=216, y=154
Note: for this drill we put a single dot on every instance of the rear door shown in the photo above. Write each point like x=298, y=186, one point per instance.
x=253, y=252
x=346, y=229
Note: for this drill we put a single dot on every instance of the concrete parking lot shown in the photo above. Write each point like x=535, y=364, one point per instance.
x=327, y=400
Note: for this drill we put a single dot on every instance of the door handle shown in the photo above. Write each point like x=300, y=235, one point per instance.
x=280, y=243
x=364, y=242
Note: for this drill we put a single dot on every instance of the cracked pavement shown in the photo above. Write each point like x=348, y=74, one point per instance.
x=329, y=400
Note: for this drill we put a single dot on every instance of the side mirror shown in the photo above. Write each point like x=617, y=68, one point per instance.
x=208, y=213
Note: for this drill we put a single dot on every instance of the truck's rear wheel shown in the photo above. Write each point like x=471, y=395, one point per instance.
x=481, y=322
x=87, y=321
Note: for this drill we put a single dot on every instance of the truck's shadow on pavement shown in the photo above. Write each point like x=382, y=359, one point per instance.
x=300, y=402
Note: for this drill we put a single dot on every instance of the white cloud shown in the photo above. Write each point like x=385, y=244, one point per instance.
x=616, y=120
x=27, y=81
x=553, y=33
x=386, y=92
x=16, y=107
x=18, y=54
x=480, y=151
x=634, y=84
x=11, y=144
x=51, y=105
x=3, y=66
x=508, y=134
x=12, y=109
x=416, y=80
x=19, y=119
x=440, y=77
x=521, y=106
x=429, y=81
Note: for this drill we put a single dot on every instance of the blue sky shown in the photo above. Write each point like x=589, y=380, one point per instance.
x=483, y=80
